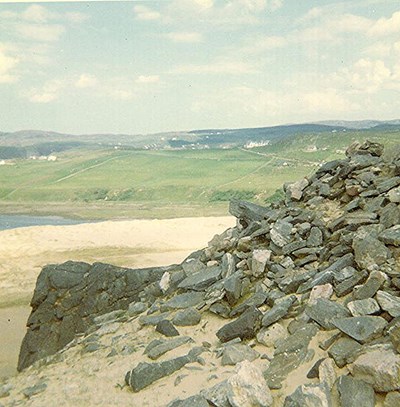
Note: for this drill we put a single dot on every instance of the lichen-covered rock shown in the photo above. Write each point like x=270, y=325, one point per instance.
x=378, y=367
x=355, y=393
x=247, y=388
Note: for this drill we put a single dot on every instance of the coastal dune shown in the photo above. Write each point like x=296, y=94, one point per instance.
x=131, y=243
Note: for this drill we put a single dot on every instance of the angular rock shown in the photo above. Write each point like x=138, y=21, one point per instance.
x=259, y=261
x=187, y=317
x=362, y=329
x=233, y=287
x=33, y=390
x=371, y=286
x=192, y=266
x=166, y=328
x=313, y=395
x=217, y=395
x=343, y=350
x=244, y=327
x=327, y=372
x=270, y=335
x=278, y=311
x=369, y=251
x=346, y=286
x=394, y=195
x=195, y=401
x=238, y=352
x=201, y=280
x=184, y=300
x=315, y=239
x=378, y=367
x=281, y=233
x=363, y=307
x=320, y=291
x=391, y=236
x=389, y=303
x=247, y=388
x=158, y=348
x=323, y=311
x=355, y=393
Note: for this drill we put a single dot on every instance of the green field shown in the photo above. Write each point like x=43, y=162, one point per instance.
x=113, y=183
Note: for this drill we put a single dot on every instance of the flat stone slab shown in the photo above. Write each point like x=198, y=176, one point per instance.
x=238, y=352
x=201, y=280
x=278, y=311
x=391, y=236
x=359, y=308
x=158, y=348
x=362, y=329
x=355, y=393
x=323, y=311
x=389, y=303
x=343, y=350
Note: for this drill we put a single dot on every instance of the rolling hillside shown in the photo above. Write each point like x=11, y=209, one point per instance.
x=118, y=183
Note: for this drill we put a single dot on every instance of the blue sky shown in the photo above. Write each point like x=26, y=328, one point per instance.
x=153, y=66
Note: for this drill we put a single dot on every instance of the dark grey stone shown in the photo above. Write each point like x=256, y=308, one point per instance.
x=157, y=348
x=33, y=390
x=363, y=307
x=247, y=212
x=346, y=287
x=389, y=303
x=187, y=317
x=391, y=236
x=194, y=401
x=278, y=311
x=235, y=353
x=201, y=280
x=244, y=327
x=362, y=329
x=315, y=395
x=371, y=286
x=355, y=393
x=323, y=311
x=166, y=328
x=145, y=373
x=184, y=300
x=343, y=350
x=281, y=233
x=315, y=238
x=369, y=251
x=233, y=287
x=152, y=319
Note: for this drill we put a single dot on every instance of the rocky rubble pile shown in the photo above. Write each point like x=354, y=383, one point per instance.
x=309, y=289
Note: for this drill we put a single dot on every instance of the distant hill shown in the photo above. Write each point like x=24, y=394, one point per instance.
x=26, y=143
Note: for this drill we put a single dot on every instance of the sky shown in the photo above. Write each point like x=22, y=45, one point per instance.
x=155, y=66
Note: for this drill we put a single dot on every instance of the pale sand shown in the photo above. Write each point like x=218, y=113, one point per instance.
x=136, y=243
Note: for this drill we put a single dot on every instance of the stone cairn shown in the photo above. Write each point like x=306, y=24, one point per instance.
x=319, y=271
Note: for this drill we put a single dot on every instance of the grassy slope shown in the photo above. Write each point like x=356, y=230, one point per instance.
x=164, y=183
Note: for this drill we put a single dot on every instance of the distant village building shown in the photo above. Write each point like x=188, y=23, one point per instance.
x=52, y=158
x=2, y=162
x=254, y=144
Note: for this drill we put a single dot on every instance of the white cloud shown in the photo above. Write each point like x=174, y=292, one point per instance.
x=40, y=32
x=147, y=79
x=7, y=63
x=38, y=14
x=265, y=44
x=185, y=37
x=385, y=26
x=86, y=81
x=48, y=93
x=145, y=13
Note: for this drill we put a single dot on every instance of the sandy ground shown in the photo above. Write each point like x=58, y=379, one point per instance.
x=136, y=243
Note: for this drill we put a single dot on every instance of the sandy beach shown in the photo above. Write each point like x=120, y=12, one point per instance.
x=136, y=243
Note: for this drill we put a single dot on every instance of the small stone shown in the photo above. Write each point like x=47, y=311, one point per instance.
x=247, y=388
x=378, y=367
x=184, y=300
x=166, y=328
x=355, y=393
x=320, y=291
x=281, y=233
x=315, y=395
x=343, y=350
x=136, y=308
x=391, y=236
x=295, y=190
x=33, y=390
x=158, y=348
x=278, y=311
x=371, y=286
x=217, y=395
x=323, y=311
x=194, y=401
x=394, y=196
x=362, y=329
x=259, y=261
x=201, y=280
x=187, y=317
x=389, y=303
x=369, y=251
x=270, y=335
x=233, y=354
x=244, y=327
x=327, y=372
x=363, y=307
